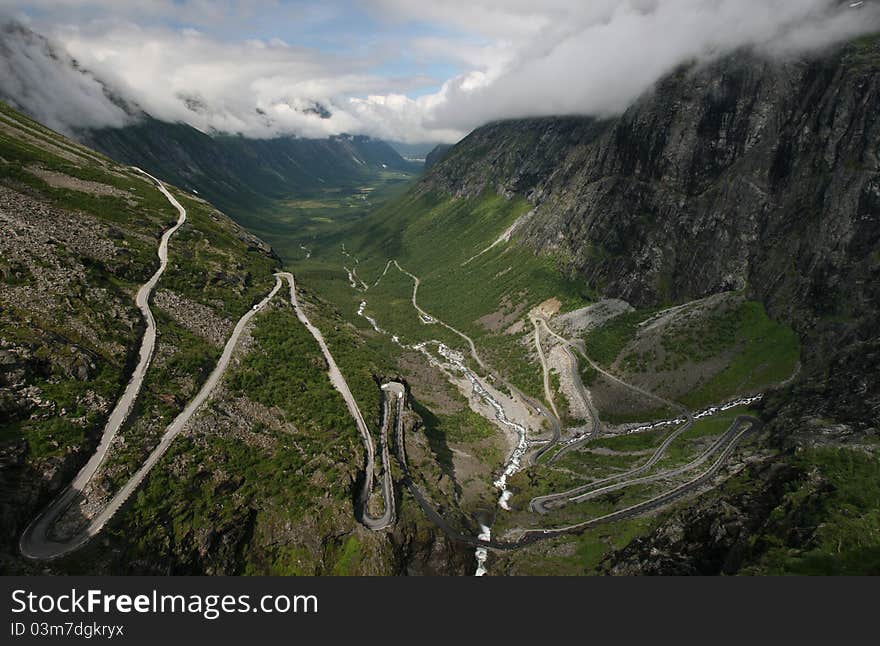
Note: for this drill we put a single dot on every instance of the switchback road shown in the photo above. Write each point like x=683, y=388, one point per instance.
x=341, y=385
x=726, y=444
x=741, y=426
x=31, y=544
x=35, y=543
x=541, y=503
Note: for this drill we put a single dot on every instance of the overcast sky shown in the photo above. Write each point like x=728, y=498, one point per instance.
x=426, y=70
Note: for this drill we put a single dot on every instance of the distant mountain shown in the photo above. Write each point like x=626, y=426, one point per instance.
x=42, y=80
x=237, y=173
x=413, y=152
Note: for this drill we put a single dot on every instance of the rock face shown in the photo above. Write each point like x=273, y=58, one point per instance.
x=743, y=174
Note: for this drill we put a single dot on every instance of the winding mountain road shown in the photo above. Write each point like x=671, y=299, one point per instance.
x=717, y=445
x=582, y=390
x=341, y=385
x=35, y=542
x=540, y=504
x=555, y=422
x=580, y=348
x=629, y=478
x=32, y=542
x=428, y=319
x=740, y=427
x=588, y=406
x=548, y=391
x=728, y=442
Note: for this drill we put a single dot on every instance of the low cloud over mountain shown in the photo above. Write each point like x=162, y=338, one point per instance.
x=201, y=64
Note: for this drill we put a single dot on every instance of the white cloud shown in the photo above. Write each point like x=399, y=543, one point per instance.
x=522, y=58
x=596, y=58
x=50, y=88
x=255, y=87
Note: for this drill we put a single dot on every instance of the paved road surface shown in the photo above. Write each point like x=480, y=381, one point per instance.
x=580, y=348
x=555, y=422
x=35, y=542
x=741, y=426
x=548, y=391
x=731, y=438
x=582, y=390
x=588, y=405
x=31, y=543
x=433, y=319
x=541, y=503
x=716, y=446
x=339, y=383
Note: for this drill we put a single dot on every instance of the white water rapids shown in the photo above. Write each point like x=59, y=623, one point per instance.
x=514, y=463
x=482, y=553
x=455, y=360
x=708, y=412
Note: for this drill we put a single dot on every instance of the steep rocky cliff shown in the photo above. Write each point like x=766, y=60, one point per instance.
x=436, y=155
x=746, y=174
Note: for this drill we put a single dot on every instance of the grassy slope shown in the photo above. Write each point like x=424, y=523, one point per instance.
x=828, y=522
x=271, y=490
x=759, y=352
x=586, y=552
x=212, y=262
x=205, y=244
x=432, y=237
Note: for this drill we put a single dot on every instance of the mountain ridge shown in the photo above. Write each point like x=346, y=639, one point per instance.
x=744, y=175
x=235, y=172
x=687, y=193
x=239, y=174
